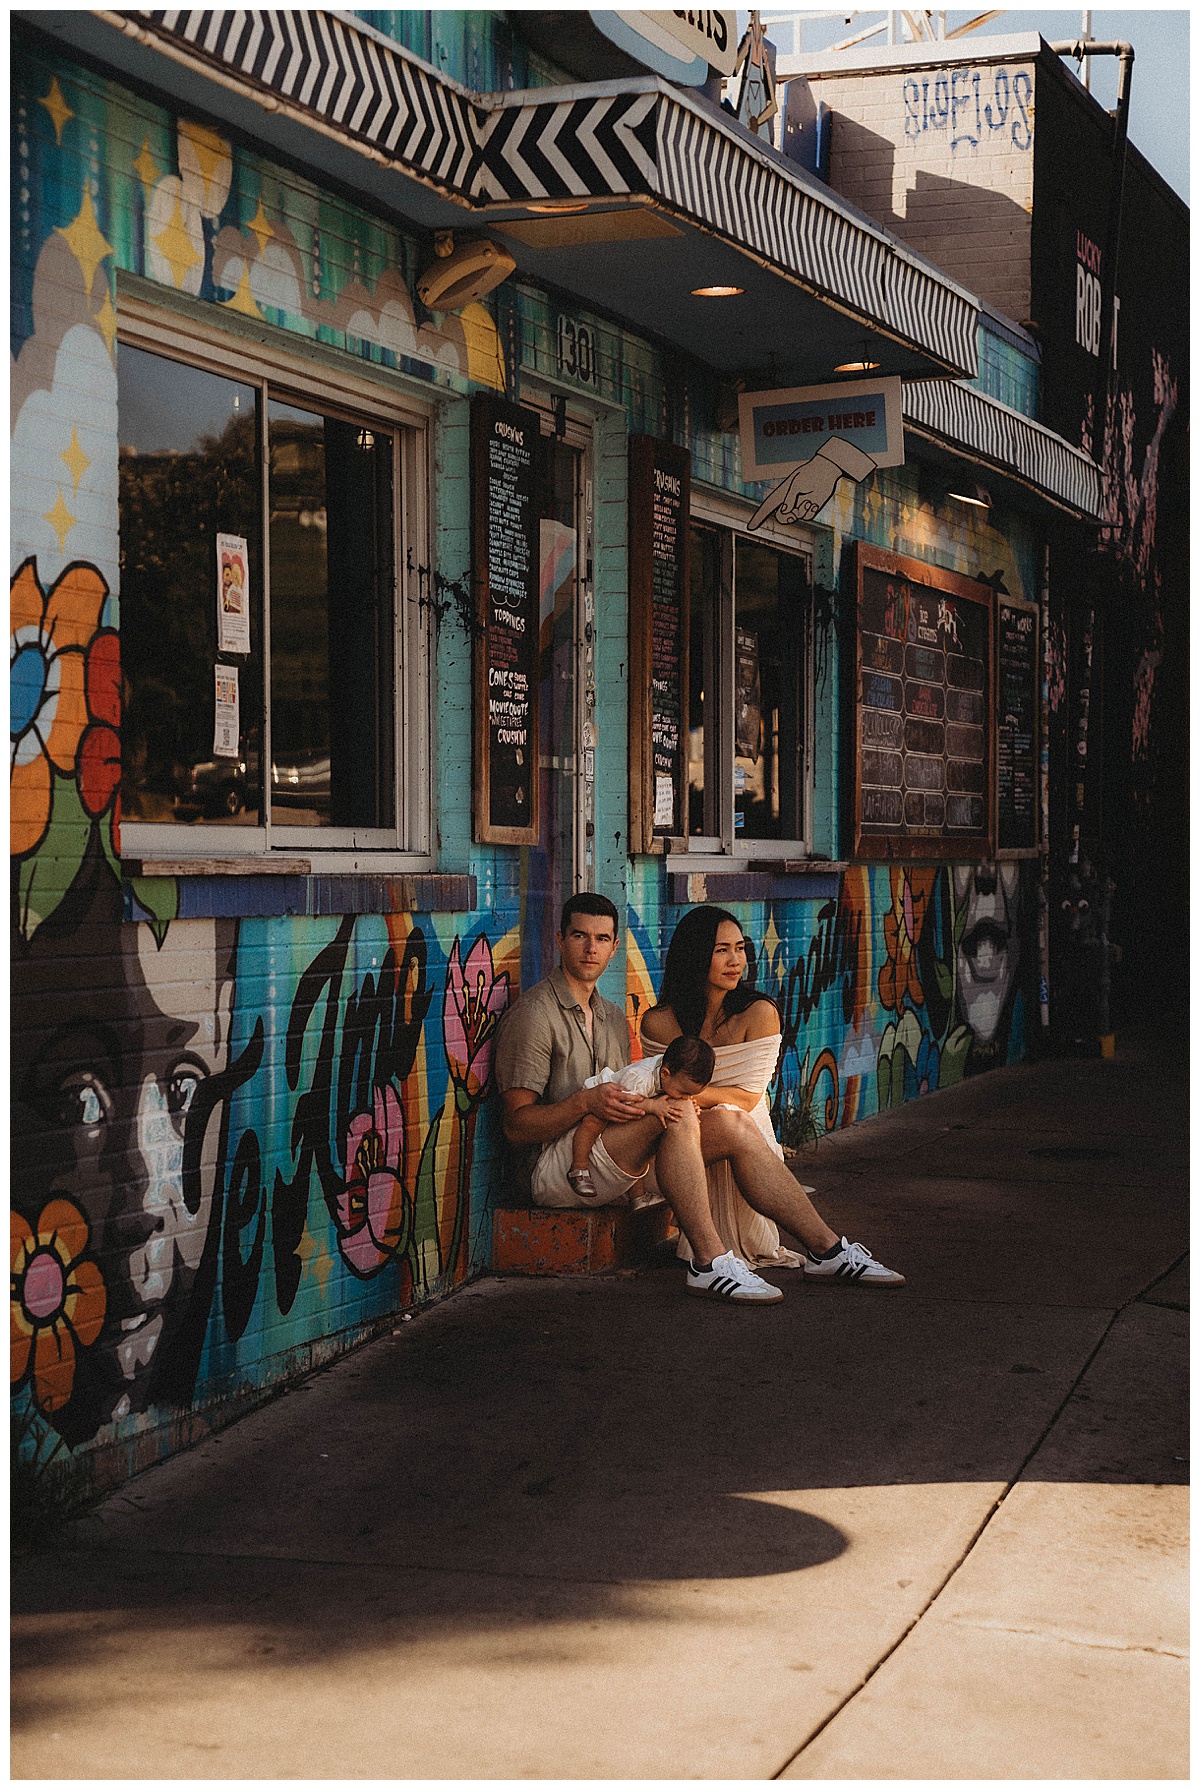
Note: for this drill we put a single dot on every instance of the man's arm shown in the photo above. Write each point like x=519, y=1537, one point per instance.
x=528, y=1120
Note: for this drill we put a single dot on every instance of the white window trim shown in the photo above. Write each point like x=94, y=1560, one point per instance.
x=409, y=845
x=720, y=509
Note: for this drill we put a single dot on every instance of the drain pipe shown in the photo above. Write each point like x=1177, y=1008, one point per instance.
x=1078, y=49
x=1044, y=802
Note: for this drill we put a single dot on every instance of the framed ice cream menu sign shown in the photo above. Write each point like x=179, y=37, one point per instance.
x=504, y=447
x=922, y=711
x=659, y=499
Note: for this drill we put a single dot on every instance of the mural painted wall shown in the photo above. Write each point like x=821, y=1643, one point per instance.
x=905, y=982
x=250, y=1115
x=238, y=1141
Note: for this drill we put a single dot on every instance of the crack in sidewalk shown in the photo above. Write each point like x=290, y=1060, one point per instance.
x=1051, y=1634
x=974, y=1540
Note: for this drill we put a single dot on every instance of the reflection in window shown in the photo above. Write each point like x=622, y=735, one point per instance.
x=705, y=559
x=331, y=657
x=770, y=607
x=189, y=470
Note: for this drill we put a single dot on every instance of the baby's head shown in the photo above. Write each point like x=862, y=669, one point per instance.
x=687, y=1066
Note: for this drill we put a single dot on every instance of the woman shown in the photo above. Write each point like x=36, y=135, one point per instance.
x=703, y=995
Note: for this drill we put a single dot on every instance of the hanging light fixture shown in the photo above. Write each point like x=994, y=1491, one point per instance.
x=976, y=495
x=863, y=364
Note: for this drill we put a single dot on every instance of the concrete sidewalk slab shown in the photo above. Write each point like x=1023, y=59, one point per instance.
x=590, y=1528
x=1059, y=1648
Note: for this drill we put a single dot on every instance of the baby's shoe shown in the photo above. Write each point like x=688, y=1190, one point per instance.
x=581, y=1182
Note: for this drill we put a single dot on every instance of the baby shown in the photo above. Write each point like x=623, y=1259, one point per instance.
x=685, y=1067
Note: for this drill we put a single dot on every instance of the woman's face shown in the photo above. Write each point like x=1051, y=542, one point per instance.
x=728, y=959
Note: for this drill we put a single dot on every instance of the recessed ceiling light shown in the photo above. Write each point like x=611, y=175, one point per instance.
x=557, y=206
x=976, y=496
x=857, y=366
x=717, y=291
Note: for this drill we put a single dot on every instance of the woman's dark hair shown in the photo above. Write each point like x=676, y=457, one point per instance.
x=684, y=986
x=692, y=1057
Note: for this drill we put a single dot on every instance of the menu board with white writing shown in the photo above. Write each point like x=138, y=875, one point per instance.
x=659, y=500
x=504, y=447
x=1017, y=680
x=922, y=711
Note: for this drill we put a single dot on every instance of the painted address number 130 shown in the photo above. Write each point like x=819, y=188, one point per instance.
x=576, y=352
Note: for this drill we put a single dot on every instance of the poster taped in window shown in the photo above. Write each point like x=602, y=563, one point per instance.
x=233, y=594
x=227, y=717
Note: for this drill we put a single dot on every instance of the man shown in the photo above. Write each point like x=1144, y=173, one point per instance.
x=561, y=1032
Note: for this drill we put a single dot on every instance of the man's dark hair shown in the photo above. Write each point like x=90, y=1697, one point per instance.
x=692, y=1057
x=589, y=903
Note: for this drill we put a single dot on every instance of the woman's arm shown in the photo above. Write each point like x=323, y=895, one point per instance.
x=715, y=1095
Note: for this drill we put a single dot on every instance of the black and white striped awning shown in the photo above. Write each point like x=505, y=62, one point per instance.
x=638, y=140
x=967, y=420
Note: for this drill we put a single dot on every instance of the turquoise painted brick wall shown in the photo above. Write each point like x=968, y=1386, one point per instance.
x=289, y=1138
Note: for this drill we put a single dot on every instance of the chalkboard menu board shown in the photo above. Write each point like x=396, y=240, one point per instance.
x=659, y=502
x=504, y=534
x=1017, y=689
x=922, y=711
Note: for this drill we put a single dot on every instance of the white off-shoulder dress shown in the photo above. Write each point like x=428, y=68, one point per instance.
x=740, y=1228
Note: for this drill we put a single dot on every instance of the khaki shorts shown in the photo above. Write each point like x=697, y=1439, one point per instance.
x=549, y=1179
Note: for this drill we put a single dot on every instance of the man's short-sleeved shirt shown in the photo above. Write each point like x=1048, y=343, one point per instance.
x=542, y=1044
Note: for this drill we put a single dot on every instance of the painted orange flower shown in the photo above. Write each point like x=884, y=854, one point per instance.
x=100, y=747
x=49, y=639
x=57, y=1301
x=902, y=928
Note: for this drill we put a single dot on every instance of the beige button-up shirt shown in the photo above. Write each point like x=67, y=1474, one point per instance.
x=542, y=1044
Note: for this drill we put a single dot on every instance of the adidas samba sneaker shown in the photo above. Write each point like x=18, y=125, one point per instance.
x=728, y=1277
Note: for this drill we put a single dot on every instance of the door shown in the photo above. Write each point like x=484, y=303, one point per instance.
x=564, y=861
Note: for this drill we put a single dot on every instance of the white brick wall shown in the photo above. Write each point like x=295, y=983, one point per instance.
x=944, y=160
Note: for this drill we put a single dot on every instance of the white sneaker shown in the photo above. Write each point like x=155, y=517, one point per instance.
x=728, y=1277
x=853, y=1265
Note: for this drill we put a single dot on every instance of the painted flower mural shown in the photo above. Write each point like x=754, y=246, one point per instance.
x=49, y=642
x=374, y=1213
x=902, y=926
x=475, y=998
x=99, y=758
x=57, y=1301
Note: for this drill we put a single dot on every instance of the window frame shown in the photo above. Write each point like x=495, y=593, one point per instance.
x=727, y=517
x=321, y=383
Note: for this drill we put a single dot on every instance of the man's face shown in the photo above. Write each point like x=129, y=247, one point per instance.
x=587, y=947
x=990, y=946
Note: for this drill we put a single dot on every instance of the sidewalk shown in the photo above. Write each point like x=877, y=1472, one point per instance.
x=579, y=1529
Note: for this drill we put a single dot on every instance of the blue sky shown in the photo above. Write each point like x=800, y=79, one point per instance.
x=1159, y=97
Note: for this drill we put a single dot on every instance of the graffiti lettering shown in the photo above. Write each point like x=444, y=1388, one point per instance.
x=956, y=103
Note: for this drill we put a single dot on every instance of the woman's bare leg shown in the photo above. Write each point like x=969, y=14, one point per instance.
x=763, y=1180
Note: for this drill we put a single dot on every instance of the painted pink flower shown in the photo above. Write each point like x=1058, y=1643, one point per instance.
x=374, y=1211
x=474, y=1000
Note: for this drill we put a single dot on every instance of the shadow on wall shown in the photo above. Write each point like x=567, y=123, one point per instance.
x=974, y=234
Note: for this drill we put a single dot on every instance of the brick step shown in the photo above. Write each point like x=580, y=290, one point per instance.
x=538, y=1240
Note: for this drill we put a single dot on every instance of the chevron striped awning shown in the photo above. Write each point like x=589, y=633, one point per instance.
x=632, y=143
x=968, y=421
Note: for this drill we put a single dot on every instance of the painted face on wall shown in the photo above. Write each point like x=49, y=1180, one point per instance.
x=989, y=950
x=114, y=1044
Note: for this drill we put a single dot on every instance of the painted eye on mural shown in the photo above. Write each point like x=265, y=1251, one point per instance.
x=83, y=1100
x=181, y=1091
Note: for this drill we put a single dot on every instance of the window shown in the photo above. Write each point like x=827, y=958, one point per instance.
x=748, y=707
x=210, y=460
